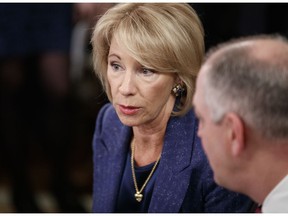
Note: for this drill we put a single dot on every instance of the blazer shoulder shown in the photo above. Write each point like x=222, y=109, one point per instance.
x=106, y=116
x=106, y=111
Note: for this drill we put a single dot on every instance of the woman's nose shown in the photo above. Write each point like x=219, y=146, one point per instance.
x=127, y=86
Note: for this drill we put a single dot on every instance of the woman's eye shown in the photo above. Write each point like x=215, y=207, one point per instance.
x=147, y=72
x=115, y=66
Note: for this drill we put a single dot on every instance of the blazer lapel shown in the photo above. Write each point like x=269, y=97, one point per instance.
x=174, y=173
x=111, y=167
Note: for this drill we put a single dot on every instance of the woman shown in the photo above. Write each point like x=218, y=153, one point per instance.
x=147, y=157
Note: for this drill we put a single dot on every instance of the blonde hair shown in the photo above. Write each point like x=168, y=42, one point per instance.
x=165, y=37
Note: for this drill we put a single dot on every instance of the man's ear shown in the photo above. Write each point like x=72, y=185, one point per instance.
x=236, y=133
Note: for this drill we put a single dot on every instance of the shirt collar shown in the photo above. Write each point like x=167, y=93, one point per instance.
x=277, y=199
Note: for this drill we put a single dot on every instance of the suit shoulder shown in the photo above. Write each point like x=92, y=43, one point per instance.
x=107, y=117
x=106, y=111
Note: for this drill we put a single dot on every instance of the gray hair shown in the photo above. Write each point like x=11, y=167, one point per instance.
x=240, y=80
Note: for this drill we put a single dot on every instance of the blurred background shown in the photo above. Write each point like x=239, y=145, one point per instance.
x=49, y=96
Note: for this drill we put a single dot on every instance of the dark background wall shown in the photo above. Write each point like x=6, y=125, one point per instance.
x=223, y=21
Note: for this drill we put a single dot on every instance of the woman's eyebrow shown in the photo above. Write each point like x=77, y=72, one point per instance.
x=114, y=55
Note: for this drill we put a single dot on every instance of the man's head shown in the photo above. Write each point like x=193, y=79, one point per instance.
x=241, y=100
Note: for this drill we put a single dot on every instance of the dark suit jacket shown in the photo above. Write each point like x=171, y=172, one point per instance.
x=184, y=182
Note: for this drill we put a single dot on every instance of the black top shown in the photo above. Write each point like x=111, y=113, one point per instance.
x=126, y=199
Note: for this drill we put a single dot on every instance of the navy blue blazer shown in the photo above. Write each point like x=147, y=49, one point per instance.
x=184, y=182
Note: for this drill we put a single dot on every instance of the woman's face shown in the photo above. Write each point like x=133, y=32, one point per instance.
x=141, y=96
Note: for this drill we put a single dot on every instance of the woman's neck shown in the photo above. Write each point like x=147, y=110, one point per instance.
x=147, y=147
x=148, y=139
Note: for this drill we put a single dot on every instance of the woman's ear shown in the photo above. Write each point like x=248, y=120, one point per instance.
x=178, y=79
x=236, y=133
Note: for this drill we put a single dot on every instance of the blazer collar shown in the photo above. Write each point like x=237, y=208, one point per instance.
x=114, y=162
x=173, y=174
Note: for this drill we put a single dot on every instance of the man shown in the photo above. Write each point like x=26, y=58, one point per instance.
x=241, y=101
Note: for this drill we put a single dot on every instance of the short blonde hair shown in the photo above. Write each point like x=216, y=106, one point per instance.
x=166, y=37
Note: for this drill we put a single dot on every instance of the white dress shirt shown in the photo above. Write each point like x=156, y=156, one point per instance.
x=277, y=199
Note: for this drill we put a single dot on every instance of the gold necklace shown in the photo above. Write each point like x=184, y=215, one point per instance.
x=138, y=195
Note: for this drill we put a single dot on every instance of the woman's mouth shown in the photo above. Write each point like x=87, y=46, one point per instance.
x=128, y=110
